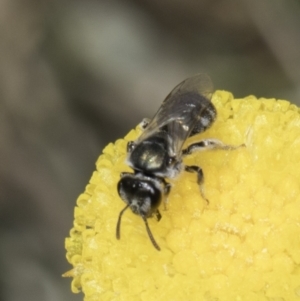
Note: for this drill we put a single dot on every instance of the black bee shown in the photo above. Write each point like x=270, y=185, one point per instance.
x=157, y=154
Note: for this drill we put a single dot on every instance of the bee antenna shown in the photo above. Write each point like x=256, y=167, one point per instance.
x=118, y=229
x=156, y=246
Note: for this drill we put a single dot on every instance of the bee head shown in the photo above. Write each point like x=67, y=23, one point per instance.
x=143, y=195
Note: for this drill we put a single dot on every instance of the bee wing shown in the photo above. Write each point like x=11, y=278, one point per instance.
x=180, y=111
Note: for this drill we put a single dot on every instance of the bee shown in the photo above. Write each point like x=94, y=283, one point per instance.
x=158, y=153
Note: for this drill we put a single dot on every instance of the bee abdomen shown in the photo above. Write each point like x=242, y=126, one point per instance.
x=207, y=118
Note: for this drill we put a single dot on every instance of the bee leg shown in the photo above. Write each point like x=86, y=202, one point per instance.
x=130, y=146
x=209, y=144
x=143, y=125
x=122, y=174
x=157, y=215
x=167, y=190
x=200, y=178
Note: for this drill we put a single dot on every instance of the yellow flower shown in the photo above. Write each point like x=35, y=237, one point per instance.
x=243, y=245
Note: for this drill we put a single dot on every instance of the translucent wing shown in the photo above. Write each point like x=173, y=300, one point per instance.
x=180, y=111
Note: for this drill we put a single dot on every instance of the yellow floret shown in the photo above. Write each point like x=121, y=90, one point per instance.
x=243, y=245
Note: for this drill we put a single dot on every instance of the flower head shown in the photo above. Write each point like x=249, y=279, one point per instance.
x=243, y=245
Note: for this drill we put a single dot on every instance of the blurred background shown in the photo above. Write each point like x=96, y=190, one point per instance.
x=75, y=75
